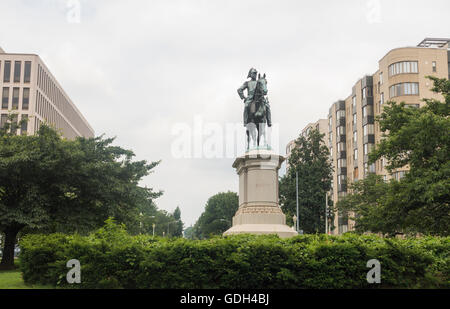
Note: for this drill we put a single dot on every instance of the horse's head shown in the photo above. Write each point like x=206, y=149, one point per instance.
x=262, y=84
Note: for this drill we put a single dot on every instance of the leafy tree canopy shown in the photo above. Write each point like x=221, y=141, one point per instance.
x=310, y=160
x=218, y=215
x=49, y=183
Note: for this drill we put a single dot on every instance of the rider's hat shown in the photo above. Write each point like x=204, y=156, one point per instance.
x=251, y=71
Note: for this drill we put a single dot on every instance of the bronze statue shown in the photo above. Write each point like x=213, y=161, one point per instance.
x=256, y=107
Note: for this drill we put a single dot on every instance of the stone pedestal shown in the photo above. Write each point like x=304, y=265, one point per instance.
x=259, y=211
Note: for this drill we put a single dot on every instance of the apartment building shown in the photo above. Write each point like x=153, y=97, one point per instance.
x=30, y=91
x=353, y=132
x=321, y=125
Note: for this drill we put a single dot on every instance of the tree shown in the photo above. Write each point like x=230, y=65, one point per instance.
x=53, y=184
x=218, y=215
x=368, y=200
x=189, y=232
x=416, y=138
x=310, y=159
x=177, y=224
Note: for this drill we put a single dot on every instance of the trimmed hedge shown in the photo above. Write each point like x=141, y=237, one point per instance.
x=110, y=258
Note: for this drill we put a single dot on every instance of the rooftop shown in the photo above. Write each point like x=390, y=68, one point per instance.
x=434, y=42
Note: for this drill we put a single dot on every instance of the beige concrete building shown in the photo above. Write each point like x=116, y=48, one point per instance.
x=321, y=125
x=353, y=133
x=30, y=91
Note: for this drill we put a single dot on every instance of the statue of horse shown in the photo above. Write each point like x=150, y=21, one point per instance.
x=256, y=127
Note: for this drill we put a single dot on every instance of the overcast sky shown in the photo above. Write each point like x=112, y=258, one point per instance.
x=137, y=69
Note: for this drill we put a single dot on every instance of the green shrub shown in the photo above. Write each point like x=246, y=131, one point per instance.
x=111, y=258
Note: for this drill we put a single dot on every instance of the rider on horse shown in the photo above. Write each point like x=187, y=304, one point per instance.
x=251, y=88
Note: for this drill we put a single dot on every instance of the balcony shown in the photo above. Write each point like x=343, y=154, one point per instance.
x=340, y=106
x=366, y=159
x=368, y=120
x=367, y=81
x=342, y=155
x=342, y=188
x=341, y=138
x=340, y=122
x=342, y=171
x=369, y=139
x=367, y=101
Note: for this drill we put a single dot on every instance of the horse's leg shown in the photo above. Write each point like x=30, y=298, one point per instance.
x=263, y=132
x=248, y=139
x=253, y=133
x=259, y=133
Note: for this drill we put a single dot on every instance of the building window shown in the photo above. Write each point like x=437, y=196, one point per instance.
x=368, y=110
x=381, y=78
x=5, y=98
x=17, y=69
x=15, y=98
x=368, y=129
x=7, y=72
x=342, y=179
x=399, y=175
x=355, y=155
x=342, y=163
x=354, y=102
x=434, y=66
x=24, y=125
x=366, y=92
x=340, y=114
x=372, y=168
x=3, y=120
x=355, y=138
x=14, y=123
x=25, y=98
x=367, y=148
x=341, y=147
x=404, y=67
x=404, y=89
x=27, y=73
x=355, y=174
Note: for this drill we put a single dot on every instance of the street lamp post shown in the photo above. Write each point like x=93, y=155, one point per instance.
x=153, y=225
x=296, y=189
x=326, y=213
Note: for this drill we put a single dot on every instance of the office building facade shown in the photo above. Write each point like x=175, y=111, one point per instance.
x=353, y=131
x=321, y=125
x=29, y=91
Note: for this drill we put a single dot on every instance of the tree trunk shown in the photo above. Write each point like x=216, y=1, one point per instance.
x=8, y=248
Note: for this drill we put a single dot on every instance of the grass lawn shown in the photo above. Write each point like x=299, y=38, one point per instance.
x=12, y=279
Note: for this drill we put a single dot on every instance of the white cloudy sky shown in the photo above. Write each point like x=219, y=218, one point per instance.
x=136, y=69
